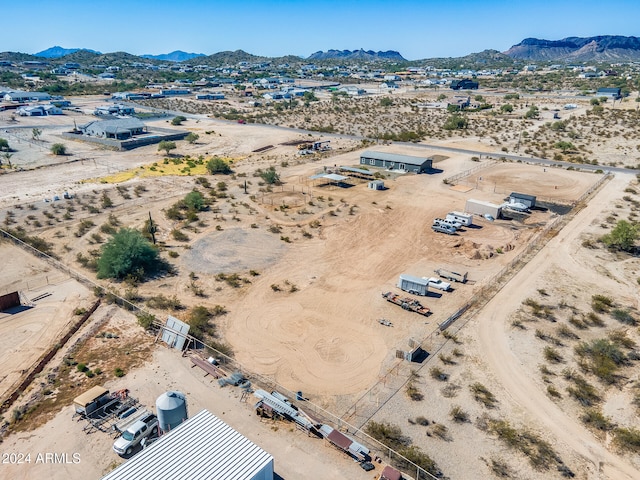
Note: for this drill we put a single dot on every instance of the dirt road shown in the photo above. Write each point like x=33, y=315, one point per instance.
x=512, y=374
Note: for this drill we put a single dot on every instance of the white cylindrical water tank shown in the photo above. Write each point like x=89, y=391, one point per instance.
x=172, y=410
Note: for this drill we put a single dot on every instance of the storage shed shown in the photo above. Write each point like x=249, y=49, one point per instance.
x=376, y=185
x=528, y=200
x=478, y=207
x=202, y=447
x=394, y=161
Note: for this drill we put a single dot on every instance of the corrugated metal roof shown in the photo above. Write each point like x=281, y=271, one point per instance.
x=202, y=448
x=357, y=170
x=394, y=157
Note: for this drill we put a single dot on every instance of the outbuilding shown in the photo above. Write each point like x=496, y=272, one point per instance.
x=478, y=207
x=201, y=447
x=394, y=161
x=528, y=200
x=613, y=93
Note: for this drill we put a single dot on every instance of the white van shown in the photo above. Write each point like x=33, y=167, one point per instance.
x=465, y=219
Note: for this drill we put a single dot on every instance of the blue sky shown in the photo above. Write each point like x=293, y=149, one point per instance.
x=417, y=29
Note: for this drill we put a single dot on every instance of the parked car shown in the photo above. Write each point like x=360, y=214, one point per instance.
x=133, y=435
x=438, y=283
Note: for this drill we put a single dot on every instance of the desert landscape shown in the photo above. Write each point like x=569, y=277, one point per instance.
x=531, y=365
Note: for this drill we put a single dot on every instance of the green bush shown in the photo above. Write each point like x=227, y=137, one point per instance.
x=118, y=372
x=58, y=149
x=129, y=253
x=218, y=165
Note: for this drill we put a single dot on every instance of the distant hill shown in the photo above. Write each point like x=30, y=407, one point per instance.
x=605, y=48
x=479, y=60
x=228, y=58
x=175, y=56
x=56, y=52
x=367, y=55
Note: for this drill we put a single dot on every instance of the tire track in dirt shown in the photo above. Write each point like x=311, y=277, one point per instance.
x=511, y=373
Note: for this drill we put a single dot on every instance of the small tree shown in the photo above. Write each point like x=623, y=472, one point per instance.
x=565, y=146
x=533, y=112
x=441, y=97
x=178, y=120
x=167, y=146
x=386, y=102
x=35, y=133
x=4, y=145
x=128, y=253
x=58, y=149
x=270, y=176
x=192, y=138
x=218, y=165
x=622, y=237
x=194, y=201
x=506, y=108
x=455, y=122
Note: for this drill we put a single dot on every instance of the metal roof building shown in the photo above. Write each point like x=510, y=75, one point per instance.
x=394, y=161
x=202, y=448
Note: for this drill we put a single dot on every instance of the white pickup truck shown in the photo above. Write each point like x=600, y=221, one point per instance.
x=437, y=283
x=132, y=436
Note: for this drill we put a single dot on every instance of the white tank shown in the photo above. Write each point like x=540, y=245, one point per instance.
x=172, y=410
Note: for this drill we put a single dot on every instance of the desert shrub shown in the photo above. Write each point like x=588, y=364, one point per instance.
x=539, y=452
x=437, y=374
x=627, y=439
x=145, y=320
x=164, y=303
x=387, y=433
x=582, y=391
x=58, y=149
x=623, y=316
x=179, y=235
x=594, y=418
x=118, y=372
x=602, y=358
x=458, y=415
x=483, y=395
x=552, y=355
x=601, y=303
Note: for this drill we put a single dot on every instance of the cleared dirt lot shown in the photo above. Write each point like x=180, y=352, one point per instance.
x=28, y=334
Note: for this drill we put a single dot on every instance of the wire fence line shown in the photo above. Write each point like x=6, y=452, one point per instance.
x=231, y=364
x=358, y=415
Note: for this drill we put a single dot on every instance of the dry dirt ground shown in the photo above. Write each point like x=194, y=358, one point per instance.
x=28, y=334
x=340, y=253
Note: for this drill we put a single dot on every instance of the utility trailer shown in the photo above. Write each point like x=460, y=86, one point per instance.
x=451, y=275
x=407, y=303
x=413, y=285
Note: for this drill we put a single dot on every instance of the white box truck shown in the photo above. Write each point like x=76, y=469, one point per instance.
x=464, y=219
x=413, y=285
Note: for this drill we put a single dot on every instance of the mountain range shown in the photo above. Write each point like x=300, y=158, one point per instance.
x=175, y=56
x=604, y=48
x=57, y=52
x=361, y=54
